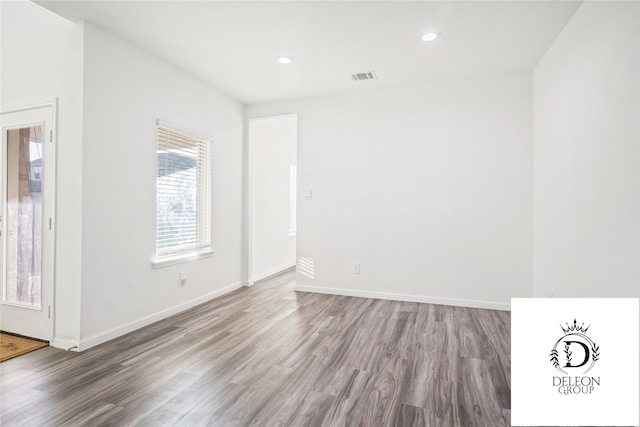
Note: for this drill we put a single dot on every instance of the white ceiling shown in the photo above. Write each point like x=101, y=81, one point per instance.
x=233, y=45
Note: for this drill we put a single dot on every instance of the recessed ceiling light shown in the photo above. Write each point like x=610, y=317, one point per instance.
x=430, y=36
x=284, y=59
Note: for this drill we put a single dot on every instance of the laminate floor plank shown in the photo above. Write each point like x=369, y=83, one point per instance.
x=270, y=356
x=413, y=416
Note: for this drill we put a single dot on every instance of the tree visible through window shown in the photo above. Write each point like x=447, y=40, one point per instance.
x=183, y=193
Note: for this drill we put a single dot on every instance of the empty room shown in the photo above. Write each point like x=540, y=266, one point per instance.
x=306, y=213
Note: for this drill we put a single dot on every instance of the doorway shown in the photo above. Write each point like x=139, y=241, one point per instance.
x=27, y=201
x=273, y=175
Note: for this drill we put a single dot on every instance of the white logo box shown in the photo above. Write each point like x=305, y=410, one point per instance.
x=575, y=361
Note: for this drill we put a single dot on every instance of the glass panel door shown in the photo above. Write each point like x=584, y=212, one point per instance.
x=23, y=220
x=27, y=221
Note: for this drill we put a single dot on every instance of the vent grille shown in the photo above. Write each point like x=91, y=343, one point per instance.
x=367, y=75
x=305, y=266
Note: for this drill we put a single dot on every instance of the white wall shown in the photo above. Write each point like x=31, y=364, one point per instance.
x=41, y=59
x=586, y=174
x=428, y=187
x=273, y=149
x=125, y=91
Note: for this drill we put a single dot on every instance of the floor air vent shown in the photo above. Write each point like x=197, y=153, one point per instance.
x=367, y=75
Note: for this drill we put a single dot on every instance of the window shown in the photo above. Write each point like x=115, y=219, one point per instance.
x=293, y=220
x=183, y=195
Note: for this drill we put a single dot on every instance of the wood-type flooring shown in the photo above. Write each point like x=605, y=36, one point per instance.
x=269, y=356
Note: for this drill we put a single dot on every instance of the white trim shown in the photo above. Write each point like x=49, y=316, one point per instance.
x=249, y=173
x=293, y=198
x=280, y=116
x=165, y=261
x=21, y=305
x=152, y=318
x=53, y=103
x=181, y=129
x=64, y=344
x=405, y=297
x=270, y=272
x=54, y=217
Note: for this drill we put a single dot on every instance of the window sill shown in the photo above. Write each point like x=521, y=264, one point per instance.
x=167, y=260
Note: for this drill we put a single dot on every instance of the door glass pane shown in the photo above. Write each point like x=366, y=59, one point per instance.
x=23, y=222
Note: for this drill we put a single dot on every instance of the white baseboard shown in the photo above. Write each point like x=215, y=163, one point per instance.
x=147, y=320
x=270, y=272
x=64, y=344
x=405, y=297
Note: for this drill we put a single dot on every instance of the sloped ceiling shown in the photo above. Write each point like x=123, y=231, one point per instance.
x=234, y=45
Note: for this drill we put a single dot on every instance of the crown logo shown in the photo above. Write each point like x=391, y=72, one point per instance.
x=575, y=327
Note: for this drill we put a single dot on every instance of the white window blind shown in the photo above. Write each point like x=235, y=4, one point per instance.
x=293, y=220
x=183, y=193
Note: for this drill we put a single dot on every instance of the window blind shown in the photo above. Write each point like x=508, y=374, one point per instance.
x=183, y=193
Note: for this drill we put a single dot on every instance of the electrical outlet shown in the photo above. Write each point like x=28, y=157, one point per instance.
x=356, y=269
x=183, y=278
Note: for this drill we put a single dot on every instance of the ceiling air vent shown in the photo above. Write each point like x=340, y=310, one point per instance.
x=367, y=75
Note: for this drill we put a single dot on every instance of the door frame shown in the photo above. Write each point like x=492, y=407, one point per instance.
x=49, y=206
x=251, y=191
